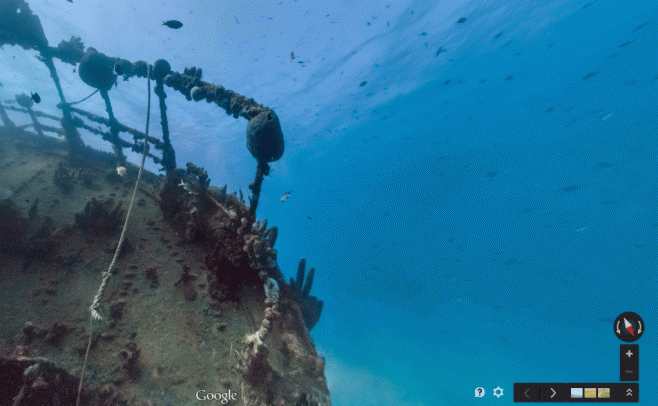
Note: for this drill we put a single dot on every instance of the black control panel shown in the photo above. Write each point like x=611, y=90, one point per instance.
x=576, y=392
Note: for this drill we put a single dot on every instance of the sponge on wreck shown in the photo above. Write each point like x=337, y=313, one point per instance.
x=265, y=138
x=97, y=70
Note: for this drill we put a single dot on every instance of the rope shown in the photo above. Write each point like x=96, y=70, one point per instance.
x=80, y=101
x=93, y=309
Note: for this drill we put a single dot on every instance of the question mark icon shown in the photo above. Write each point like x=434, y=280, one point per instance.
x=479, y=392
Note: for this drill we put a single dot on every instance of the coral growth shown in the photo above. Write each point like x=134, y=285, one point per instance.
x=201, y=174
x=53, y=336
x=131, y=364
x=303, y=374
x=234, y=104
x=152, y=276
x=300, y=290
x=36, y=381
x=231, y=243
x=33, y=237
x=185, y=284
x=20, y=27
x=63, y=178
x=14, y=227
x=100, y=218
x=259, y=244
x=70, y=51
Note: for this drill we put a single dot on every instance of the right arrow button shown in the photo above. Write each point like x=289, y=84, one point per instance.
x=552, y=392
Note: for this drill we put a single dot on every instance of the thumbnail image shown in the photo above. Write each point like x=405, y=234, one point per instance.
x=590, y=393
x=604, y=393
x=576, y=393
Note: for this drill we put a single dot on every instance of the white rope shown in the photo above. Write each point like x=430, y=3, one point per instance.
x=93, y=309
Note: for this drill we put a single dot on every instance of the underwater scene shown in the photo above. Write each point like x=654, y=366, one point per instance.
x=314, y=203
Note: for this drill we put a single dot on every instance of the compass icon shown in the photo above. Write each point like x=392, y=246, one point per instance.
x=629, y=327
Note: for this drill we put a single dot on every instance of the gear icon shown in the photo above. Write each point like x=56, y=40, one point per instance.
x=498, y=392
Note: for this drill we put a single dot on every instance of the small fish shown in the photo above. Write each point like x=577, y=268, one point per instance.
x=510, y=261
x=439, y=51
x=285, y=196
x=36, y=97
x=309, y=217
x=173, y=24
x=187, y=187
x=607, y=116
x=292, y=56
x=590, y=75
x=492, y=174
x=580, y=230
x=571, y=188
x=236, y=19
x=365, y=82
x=605, y=164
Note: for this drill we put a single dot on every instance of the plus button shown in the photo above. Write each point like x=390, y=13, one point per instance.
x=629, y=353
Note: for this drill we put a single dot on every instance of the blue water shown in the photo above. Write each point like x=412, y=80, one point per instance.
x=448, y=253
